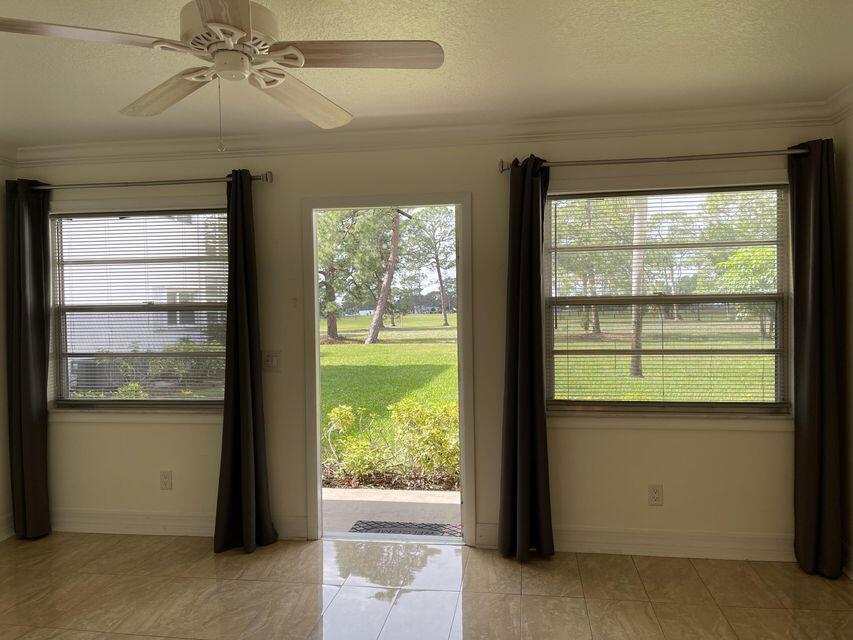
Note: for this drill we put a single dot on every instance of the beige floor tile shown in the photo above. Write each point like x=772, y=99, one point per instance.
x=488, y=572
x=231, y=610
x=623, y=620
x=558, y=576
x=764, y=624
x=130, y=554
x=70, y=634
x=734, y=583
x=315, y=562
x=229, y=565
x=177, y=557
x=56, y=553
x=693, y=622
x=418, y=566
x=420, y=615
x=798, y=590
x=39, y=600
x=487, y=616
x=356, y=613
x=610, y=577
x=10, y=632
x=826, y=625
x=672, y=580
x=554, y=618
x=126, y=594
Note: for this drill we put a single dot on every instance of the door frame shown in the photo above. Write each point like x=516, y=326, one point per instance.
x=464, y=341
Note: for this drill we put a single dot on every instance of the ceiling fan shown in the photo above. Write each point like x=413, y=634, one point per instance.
x=240, y=38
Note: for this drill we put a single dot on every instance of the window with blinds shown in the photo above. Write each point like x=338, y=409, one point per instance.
x=139, y=306
x=667, y=297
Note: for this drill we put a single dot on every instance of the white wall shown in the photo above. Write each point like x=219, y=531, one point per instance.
x=728, y=480
x=844, y=154
x=6, y=173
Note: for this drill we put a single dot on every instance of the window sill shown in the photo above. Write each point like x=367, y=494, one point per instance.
x=65, y=414
x=669, y=419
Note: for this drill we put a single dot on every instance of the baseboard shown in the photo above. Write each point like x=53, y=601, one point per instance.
x=7, y=526
x=156, y=523
x=662, y=542
x=132, y=522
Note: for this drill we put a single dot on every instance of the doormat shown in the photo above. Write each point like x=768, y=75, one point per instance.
x=408, y=528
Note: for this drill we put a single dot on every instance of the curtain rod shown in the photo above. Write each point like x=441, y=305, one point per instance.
x=504, y=166
x=264, y=177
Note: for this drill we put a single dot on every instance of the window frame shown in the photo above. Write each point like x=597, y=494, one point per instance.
x=58, y=383
x=782, y=298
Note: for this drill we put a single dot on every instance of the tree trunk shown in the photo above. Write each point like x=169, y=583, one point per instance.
x=441, y=294
x=596, y=319
x=329, y=300
x=637, y=279
x=385, y=291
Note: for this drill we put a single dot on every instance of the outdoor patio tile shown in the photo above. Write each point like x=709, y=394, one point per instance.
x=672, y=580
x=610, y=577
x=557, y=576
x=489, y=572
x=554, y=618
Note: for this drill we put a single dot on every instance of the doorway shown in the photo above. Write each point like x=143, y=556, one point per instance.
x=390, y=401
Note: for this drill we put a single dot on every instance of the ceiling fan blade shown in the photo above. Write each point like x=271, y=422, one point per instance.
x=368, y=54
x=308, y=103
x=235, y=13
x=165, y=95
x=28, y=27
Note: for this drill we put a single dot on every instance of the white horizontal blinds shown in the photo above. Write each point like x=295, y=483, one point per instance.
x=140, y=305
x=667, y=297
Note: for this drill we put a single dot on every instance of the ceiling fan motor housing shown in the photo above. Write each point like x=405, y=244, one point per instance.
x=200, y=38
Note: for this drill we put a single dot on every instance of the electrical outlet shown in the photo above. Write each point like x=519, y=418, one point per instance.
x=165, y=481
x=655, y=495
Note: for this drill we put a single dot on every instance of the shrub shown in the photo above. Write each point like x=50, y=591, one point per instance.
x=419, y=445
x=132, y=391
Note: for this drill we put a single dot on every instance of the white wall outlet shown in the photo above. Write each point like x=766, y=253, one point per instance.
x=655, y=495
x=165, y=481
x=271, y=360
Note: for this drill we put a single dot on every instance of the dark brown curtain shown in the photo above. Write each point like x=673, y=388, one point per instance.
x=243, y=508
x=525, y=503
x=27, y=340
x=818, y=394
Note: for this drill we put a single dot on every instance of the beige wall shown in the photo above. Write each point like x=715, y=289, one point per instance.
x=728, y=480
x=6, y=173
x=844, y=146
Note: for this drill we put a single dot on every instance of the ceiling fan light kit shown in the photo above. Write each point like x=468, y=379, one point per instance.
x=240, y=39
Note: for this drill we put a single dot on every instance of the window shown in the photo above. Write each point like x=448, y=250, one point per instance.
x=667, y=297
x=139, y=306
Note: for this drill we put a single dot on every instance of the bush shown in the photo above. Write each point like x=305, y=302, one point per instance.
x=418, y=447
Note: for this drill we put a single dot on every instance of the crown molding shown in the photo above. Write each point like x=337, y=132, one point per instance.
x=824, y=113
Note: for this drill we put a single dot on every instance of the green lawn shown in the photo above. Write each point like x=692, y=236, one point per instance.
x=414, y=361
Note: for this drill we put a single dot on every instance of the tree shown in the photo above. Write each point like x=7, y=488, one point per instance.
x=637, y=285
x=387, y=280
x=333, y=229
x=431, y=242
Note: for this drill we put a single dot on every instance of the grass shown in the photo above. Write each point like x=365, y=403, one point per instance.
x=414, y=361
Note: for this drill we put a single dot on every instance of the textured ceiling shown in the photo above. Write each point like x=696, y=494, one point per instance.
x=505, y=60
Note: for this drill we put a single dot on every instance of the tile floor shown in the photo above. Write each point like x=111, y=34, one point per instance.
x=105, y=587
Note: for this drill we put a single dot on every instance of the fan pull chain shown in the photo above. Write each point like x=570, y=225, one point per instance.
x=221, y=146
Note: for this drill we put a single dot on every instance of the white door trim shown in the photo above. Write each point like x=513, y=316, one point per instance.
x=465, y=344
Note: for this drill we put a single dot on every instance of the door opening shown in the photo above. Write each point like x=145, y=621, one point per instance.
x=389, y=412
